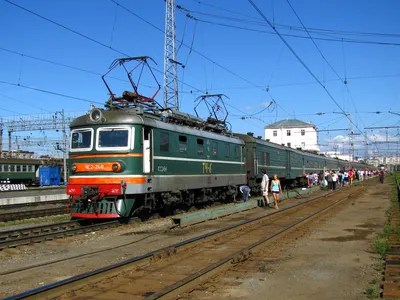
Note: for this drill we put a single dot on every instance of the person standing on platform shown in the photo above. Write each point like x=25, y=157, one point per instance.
x=276, y=189
x=264, y=187
x=334, y=180
x=330, y=181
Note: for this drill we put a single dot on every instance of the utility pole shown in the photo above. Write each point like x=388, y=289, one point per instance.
x=1, y=137
x=387, y=145
x=170, y=62
x=64, y=141
x=351, y=138
x=366, y=146
x=64, y=133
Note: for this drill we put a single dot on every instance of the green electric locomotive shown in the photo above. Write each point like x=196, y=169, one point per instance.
x=134, y=157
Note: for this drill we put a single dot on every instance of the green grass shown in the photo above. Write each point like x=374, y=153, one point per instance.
x=372, y=292
x=381, y=243
x=382, y=246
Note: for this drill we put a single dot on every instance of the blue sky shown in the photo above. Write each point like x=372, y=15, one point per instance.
x=227, y=48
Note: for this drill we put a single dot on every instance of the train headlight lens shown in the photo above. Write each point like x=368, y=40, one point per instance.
x=96, y=115
x=116, y=167
x=74, y=168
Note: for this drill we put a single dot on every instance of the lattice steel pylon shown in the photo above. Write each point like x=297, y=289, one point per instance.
x=170, y=62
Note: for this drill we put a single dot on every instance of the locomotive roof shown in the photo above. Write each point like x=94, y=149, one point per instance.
x=119, y=117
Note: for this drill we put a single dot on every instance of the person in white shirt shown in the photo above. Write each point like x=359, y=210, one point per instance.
x=334, y=180
x=264, y=187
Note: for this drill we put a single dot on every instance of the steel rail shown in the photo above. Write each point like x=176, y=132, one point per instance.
x=40, y=233
x=180, y=286
x=57, y=288
x=18, y=205
x=36, y=213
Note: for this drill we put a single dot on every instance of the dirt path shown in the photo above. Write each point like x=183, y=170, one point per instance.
x=334, y=260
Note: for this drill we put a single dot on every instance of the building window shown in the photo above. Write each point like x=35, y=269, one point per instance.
x=275, y=133
x=303, y=132
x=164, y=141
x=289, y=144
x=288, y=132
x=200, y=146
x=303, y=144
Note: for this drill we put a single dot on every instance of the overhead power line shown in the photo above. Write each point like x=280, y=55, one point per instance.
x=85, y=36
x=122, y=53
x=302, y=62
x=50, y=92
x=320, y=31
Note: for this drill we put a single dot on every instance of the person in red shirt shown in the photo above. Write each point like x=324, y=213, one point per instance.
x=351, y=176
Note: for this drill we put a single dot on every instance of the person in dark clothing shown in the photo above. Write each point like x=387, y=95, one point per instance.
x=381, y=175
x=330, y=181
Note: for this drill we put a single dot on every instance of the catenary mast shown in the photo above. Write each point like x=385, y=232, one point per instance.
x=170, y=62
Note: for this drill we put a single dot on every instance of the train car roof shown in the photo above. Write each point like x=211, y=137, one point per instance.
x=118, y=117
x=248, y=138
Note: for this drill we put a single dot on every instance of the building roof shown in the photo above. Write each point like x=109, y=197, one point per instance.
x=289, y=123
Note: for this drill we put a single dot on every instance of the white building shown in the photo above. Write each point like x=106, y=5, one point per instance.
x=17, y=154
x=293, y=133
x=339, y=155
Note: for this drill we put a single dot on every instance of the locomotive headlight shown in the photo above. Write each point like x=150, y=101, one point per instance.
x=96, y=115
x=74, y=168
x=116, y=167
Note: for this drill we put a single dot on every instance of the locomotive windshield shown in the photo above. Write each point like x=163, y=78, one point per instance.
x=81, y=139
x=113, y=137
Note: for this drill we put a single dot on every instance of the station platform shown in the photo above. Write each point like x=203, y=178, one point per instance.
x=33, y=195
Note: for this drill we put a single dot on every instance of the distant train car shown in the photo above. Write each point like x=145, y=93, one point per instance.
x=289, y=164
x=25, y=171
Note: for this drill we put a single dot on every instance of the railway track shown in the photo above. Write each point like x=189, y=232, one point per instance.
x=30, y=204
x=37, y=234
x=170, y=271
x=35, y=213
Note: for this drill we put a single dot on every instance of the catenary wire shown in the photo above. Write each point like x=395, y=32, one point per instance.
x=301, y=61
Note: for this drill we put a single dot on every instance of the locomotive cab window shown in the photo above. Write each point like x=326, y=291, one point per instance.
x=113, y=138
x=81, y=140
x=182, y=144
x=200, y=146
x=164, y=141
